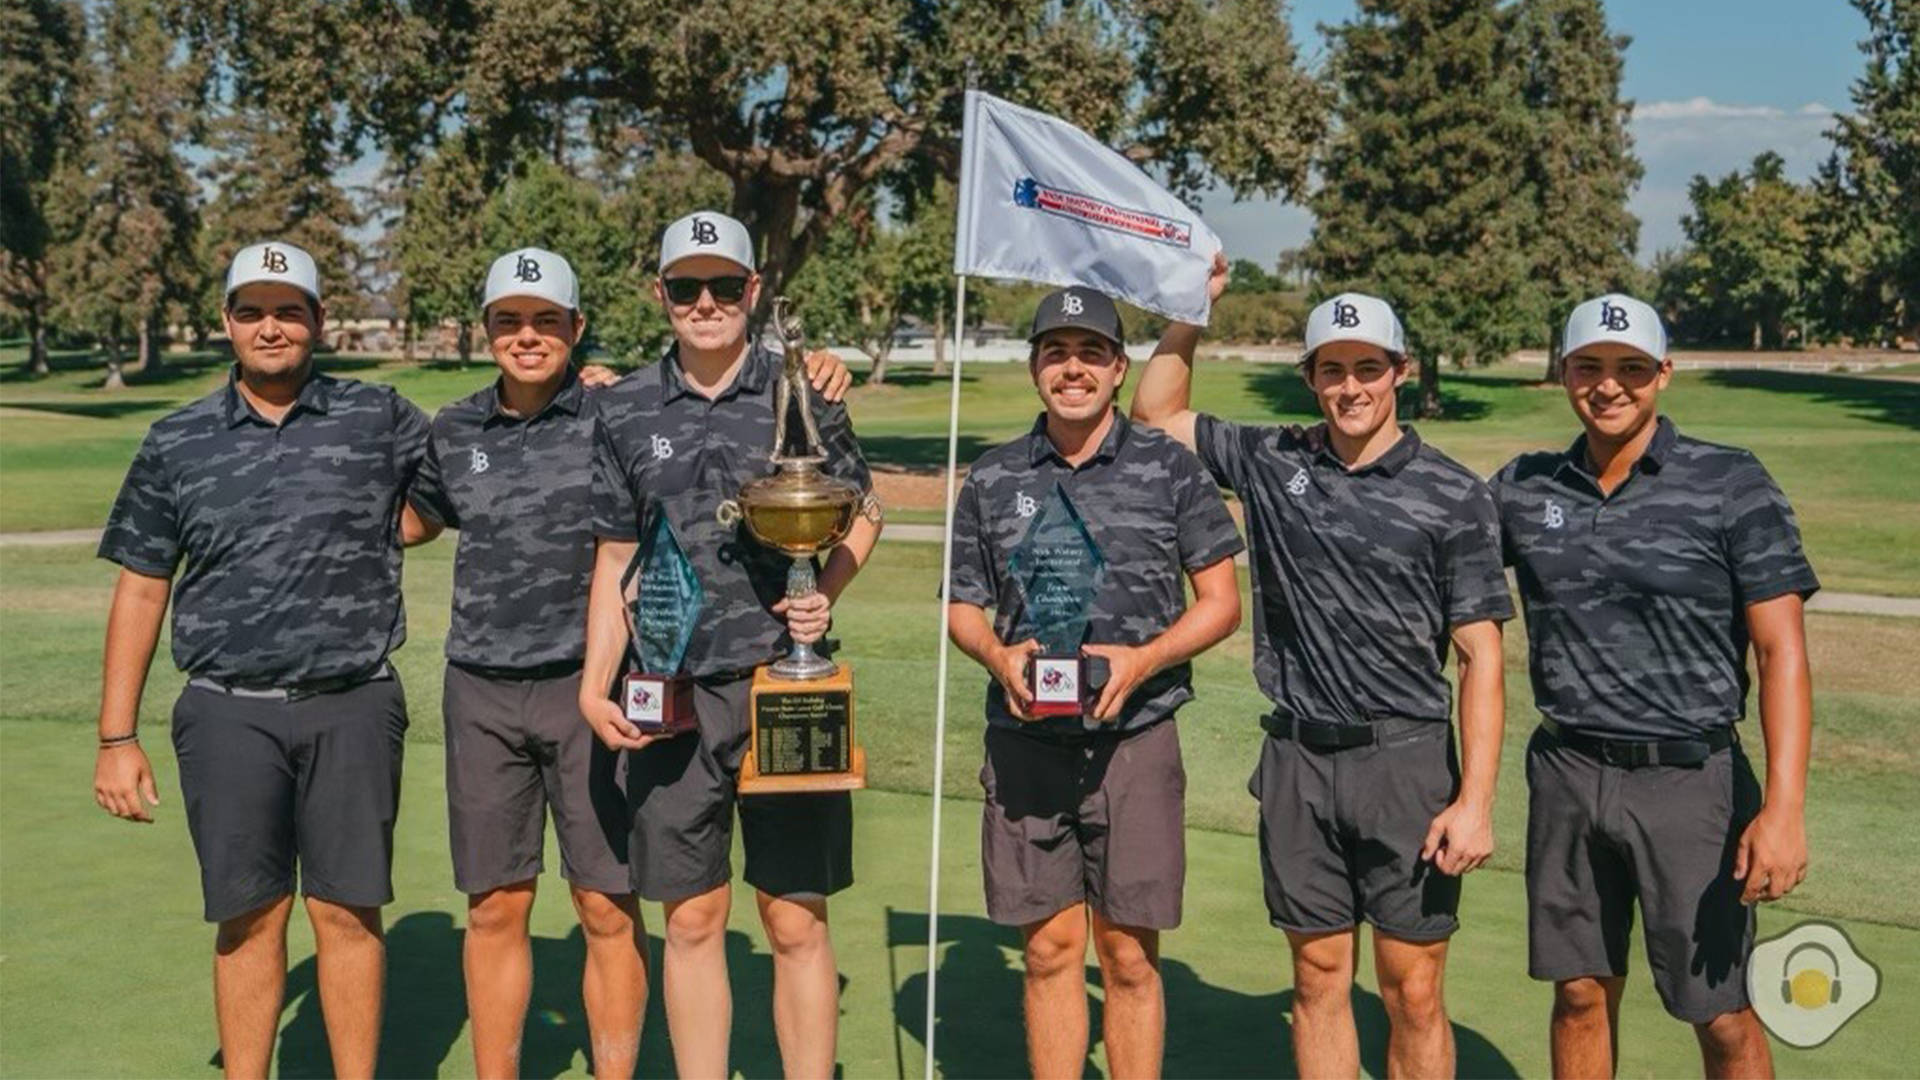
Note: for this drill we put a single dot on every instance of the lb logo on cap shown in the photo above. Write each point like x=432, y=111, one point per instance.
x=704, y=233
x=274, y=262
x=1071, y=304
x=1345, y=315
x=1613, y=317
x=527, y=269
x=1808, y=982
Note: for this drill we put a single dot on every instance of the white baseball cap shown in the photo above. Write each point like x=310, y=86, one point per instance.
x=1616, y=318
x=275, y=262
x=533, y=272
x=1353, y=316
x=706, y=232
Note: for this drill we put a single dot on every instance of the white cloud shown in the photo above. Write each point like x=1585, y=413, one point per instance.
x=1697, y=108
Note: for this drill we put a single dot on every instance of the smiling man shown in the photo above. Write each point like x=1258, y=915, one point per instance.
x=277, y=499
x=1083, y=822
x=1648, y=562
x=1373, y=554
x=510, y=467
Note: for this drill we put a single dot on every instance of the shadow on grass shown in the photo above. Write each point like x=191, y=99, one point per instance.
x=1286, y=394
x=920, y=453
x=918, y=376
x=1881, y=400
x=426, y=1009
x=1212, y=1031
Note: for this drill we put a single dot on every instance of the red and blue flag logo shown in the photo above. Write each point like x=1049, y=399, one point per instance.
x=1031, y=194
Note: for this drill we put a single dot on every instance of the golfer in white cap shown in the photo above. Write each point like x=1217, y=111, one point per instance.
x=1649, y=563
x=674, y=441
x=1374, y=555
x=510, y=468
x=265, y=511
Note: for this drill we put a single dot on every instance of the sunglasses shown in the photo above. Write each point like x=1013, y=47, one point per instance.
x=725, y=290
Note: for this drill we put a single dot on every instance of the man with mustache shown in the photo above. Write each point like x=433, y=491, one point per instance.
x=673, y=442
x=1373, y=554
x=1083, y=822
x=276, y=499
x=1648, y=562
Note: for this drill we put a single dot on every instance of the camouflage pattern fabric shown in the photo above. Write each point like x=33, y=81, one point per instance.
x=1358, y=576
x=520, y=492
x=1154, y=515
x=1636, y=602
x=286, y=537
x=660, y=448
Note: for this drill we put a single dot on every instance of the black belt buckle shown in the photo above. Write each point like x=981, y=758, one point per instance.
x=1620, y=754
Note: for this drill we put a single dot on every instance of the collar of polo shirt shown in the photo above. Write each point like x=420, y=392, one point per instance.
x=1389, y=463
x=1040, y=448
x=1655, y=456
x=313, y=397
x=566, y=399
x=756, y=371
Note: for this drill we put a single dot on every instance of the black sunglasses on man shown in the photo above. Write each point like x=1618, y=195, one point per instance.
x=730, y=289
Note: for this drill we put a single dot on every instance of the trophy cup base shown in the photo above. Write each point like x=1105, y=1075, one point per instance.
x=801, y=737
x=803, y=669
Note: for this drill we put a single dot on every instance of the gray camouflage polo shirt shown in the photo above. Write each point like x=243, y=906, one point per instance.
x=1358, y=576
x=661, y=448
x=519, y=489
x=1151, y=511
x=286, y=535
x=1636, y=602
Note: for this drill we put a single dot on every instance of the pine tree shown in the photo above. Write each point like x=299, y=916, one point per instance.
x=43, y=67
x=1417, y=201
x=123, y=209
x=1579, y=166
x=436, y=249
x=1864, y=234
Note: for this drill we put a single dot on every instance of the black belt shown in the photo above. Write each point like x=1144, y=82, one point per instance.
x=555, y=670
x=1633, y=753
x=1319, y=735
x=294, y=691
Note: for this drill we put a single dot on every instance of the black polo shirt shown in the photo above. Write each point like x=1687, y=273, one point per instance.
x=286, y=536
x=1636, y=602
x=1150, y=509
x=661, y=448
x=1359, y=576
x=519, y=489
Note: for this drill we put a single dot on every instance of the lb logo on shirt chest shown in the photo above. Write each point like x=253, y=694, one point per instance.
x=1555, y=517
x=1297, y=486
x=477, y=462
x=662, y=447
x=1024, y=504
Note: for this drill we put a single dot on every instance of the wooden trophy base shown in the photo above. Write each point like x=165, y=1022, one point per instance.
x=802, y=736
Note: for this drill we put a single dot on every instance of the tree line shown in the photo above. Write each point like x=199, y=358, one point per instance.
x=1468, y=159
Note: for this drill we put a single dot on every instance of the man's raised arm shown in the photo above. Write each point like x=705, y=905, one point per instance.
x=1165, y=394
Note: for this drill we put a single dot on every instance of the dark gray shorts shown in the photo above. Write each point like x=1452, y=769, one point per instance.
x=313, y=781
x=517, y=748
x=1601, y=836
x=684, y=797
x=1099, y=819
x=1341, y=831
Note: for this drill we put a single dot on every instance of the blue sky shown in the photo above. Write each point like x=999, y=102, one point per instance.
x=1714, y=81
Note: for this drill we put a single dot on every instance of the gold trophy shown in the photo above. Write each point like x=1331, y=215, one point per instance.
x=802, y=704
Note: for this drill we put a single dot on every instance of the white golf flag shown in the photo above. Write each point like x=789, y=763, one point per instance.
x=1044, y=201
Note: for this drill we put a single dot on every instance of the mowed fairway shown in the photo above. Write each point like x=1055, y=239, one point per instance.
x=104, y=962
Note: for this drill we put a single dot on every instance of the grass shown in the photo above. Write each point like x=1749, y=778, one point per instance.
x=1846, y=449
x=96, y=985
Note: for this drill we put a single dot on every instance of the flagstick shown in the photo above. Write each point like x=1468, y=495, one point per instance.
x=940, y=694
